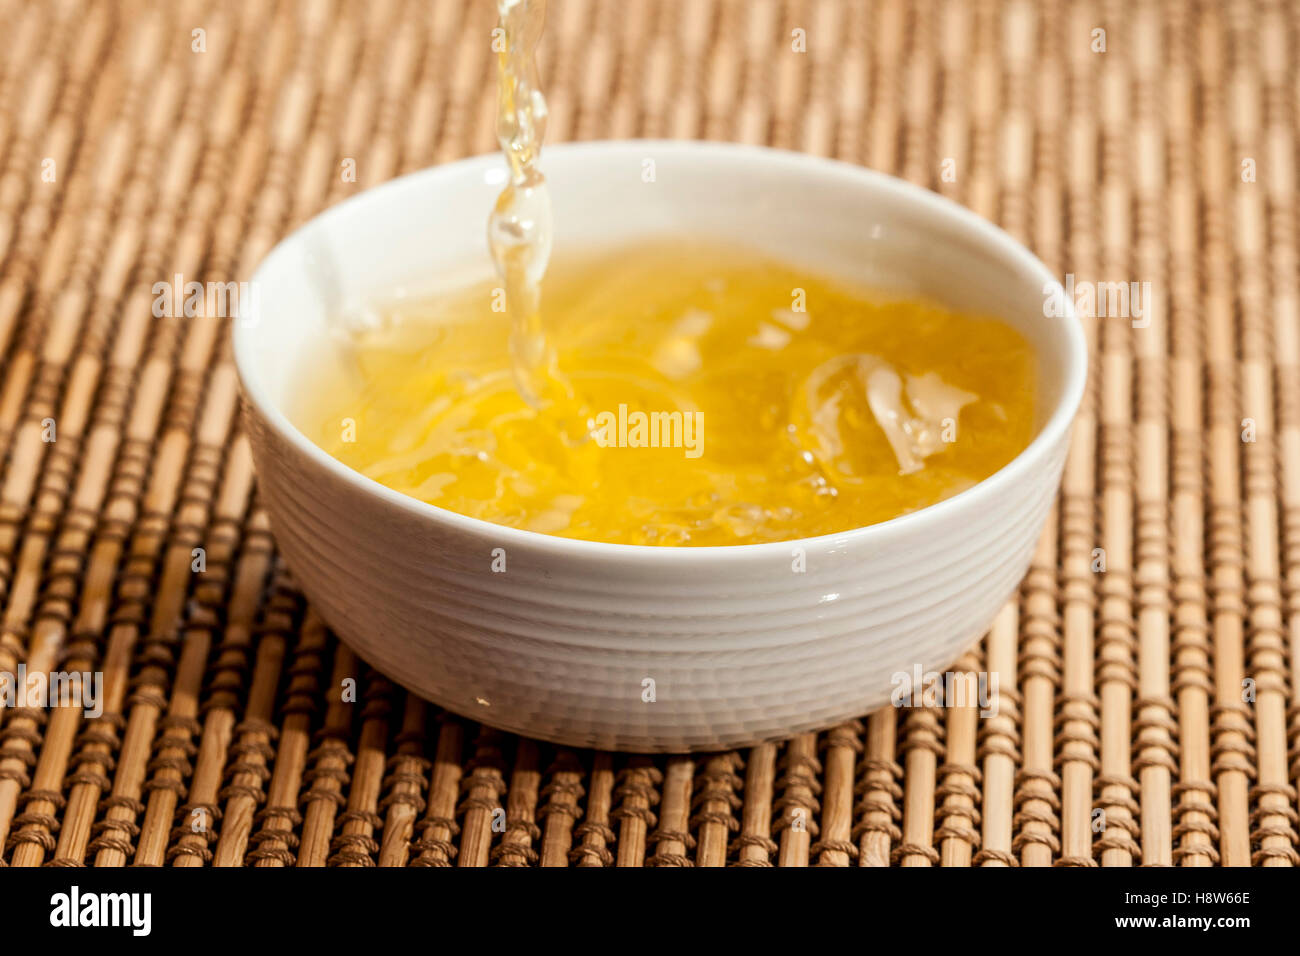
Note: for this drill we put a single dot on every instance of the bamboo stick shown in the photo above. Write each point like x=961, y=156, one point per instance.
x=1280, y=187
x=1272, y=831
x=355, y=843
x=798, y=805
x=635, y=795
x=957, y=813
x=516, y=848
x=1195, y=813
x=596, y=831
x=1036, y=822
x=998, y=743
x=922, y=750
x=198, y=817
x=1155, y=730
x=480, y=811
x=1116, y=788
x=1077, y=721
x=561, y=810
x=327, y=776
x=887, y=25
x=405, y=785
x=1038, y=786
x=1232, y=751
x=275, y=840
x=466, y=68
x=251, y=750
x=715, y=803
x=422, y=105
x=842, y=745
x=754, y=846
x=439, y=826
x=880, y=796
x=672, y=839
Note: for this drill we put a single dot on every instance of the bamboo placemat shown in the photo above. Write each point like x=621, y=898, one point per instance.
x=1154, y=696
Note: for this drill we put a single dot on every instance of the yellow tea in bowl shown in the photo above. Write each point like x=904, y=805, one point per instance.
x=708, y=397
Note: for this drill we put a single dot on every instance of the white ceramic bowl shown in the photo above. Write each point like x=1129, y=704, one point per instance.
x=739, y=646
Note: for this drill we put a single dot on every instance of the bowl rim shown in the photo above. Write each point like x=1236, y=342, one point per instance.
x=928, y=518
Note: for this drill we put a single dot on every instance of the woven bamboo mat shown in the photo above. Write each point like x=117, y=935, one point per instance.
x=1153, y=697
